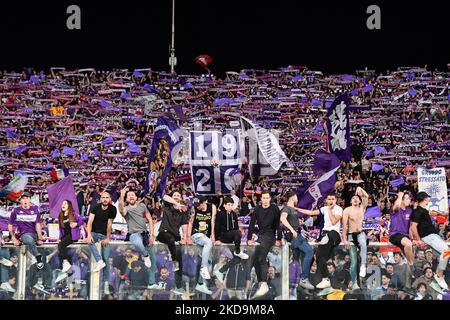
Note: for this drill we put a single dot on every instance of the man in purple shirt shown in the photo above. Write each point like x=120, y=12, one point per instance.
x=399, y=231
x=27, y=223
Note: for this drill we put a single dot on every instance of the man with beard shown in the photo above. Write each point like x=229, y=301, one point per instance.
x=99, y=230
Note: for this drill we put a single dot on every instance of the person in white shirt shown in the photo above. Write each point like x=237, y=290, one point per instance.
x=330, y=235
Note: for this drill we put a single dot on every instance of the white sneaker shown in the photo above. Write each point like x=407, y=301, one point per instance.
x=178, y=291
x=219, y=276
x=355, y=287
x=325, y=283
x=61, y=276
x=106, y=288
x=7, y=287
x=205, y=273
x=262, y=291
x=155, y=287
x=147, y=261
x=66, y=266
x=441, y=282
x=362, y=271
x=203, y=288
x=100, y=265
x=324, y=240
x=306, y=284
x=6, y=262
x=241, y=255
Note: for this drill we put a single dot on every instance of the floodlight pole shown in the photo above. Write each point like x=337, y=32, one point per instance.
x=173, y=59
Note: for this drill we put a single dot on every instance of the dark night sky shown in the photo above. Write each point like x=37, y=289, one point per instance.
x=327, y=35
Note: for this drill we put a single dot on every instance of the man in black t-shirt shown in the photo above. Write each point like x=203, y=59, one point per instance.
x=174, y=218
x=424, y=232
x=99, y=230
x=201, y=232
x=267, y=217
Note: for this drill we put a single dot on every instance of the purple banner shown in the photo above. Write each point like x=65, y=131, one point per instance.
x=338, y=126
x=160, y=159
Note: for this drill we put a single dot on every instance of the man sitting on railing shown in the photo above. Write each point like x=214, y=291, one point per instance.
x=27, y=221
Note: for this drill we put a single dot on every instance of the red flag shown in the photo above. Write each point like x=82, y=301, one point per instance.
x=204, y=60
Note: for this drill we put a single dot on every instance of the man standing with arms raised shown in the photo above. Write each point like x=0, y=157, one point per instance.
x=424, y=232
x=267, y=217
x=99, y=230
x=137, y=217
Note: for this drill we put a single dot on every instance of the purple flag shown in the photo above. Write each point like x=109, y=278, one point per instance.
x=58, y=192
x=160, y=160
x=377, y=167
x=412, y=92
x=125, y=95
x=368, y=153
x=297, y=78
x=319, y=127
x=105, y=104
x=55, y=153
x=354, y=92
x=69, y=151
x=372, y=212
x=316, y=102
x=138, y=74
x=367, y=88
x=317, y=191
x=380, y=150
x=397, y=182
x=338, y=126
x=11, y=134
x=108, y=140
x=324, y=162
x=96, y=153
x=21, y=149
x=84, y=156
x=134, y=148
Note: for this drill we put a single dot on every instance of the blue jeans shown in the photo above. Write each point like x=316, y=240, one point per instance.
x=362, y=241
x=302, y=244
x=30, y=240
x=202, y=240
x=137, y=241
x=4, y=271
x=97, y=237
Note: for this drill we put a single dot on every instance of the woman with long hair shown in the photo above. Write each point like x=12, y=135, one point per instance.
x=70, y=231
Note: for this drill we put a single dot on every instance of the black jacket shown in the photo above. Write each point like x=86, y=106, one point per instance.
x=225, y=222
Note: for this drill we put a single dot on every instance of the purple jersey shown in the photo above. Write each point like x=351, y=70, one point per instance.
x=400, y=221
x=25, y=219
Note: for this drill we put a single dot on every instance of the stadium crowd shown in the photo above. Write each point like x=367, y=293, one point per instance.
x=98, y=127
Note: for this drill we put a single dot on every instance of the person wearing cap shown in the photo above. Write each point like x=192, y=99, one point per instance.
x=201, y=232
x=424, y=232
x=99, y=228
x=352, y=230
x=27, y=221
x=293, y=234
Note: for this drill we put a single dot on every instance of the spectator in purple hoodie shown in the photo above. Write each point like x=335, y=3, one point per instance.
x=26, y=220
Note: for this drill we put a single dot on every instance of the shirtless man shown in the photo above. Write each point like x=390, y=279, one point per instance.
x=352, y=230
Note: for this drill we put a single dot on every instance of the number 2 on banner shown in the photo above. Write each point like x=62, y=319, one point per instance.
x=202, y=185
